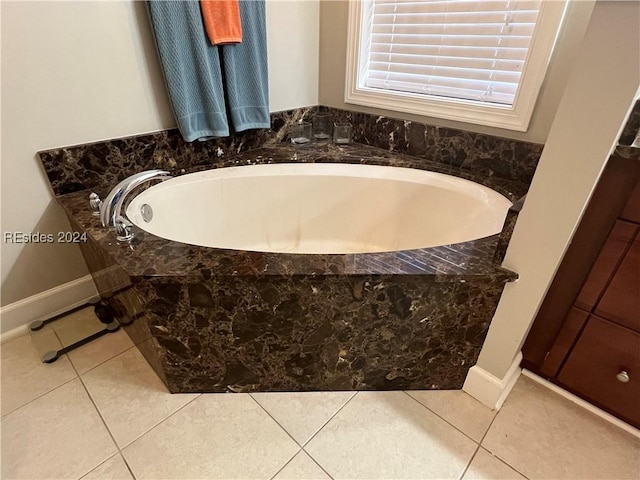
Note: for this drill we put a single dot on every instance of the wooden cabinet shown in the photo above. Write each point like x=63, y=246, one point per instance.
x=604, y=366
x=586, y=336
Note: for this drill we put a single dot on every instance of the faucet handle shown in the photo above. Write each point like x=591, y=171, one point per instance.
x=124, y=232
x=95, y=203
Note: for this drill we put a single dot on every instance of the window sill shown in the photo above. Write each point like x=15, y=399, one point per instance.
x=469, y=112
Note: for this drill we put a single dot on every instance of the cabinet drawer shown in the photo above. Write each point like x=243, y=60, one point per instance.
x=603, y=351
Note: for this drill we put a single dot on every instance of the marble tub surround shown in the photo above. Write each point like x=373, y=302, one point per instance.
x=226, y=320
x=317, y=333
x=148, y=255
x=229, y=320
x=72, y=170
x=211, y=320
x=101, y=165
x=169, y=258
x=98, y=165
x=481, y=154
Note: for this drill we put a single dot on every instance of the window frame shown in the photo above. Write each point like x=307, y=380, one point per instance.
x=516, y=117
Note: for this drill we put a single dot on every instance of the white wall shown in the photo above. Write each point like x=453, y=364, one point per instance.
x=589, y=120
x=333, y=47
x=78, y=72
x=293, y=37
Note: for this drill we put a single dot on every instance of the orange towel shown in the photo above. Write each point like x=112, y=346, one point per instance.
x=222, y=21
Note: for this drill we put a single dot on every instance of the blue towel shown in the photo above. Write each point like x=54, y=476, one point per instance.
x=245, y=70
x=194, y=72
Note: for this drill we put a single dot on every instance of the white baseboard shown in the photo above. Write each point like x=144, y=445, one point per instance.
x=489, y=389
x=583, y=403
x=15, y=317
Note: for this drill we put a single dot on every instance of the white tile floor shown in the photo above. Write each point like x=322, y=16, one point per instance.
x=102, y=413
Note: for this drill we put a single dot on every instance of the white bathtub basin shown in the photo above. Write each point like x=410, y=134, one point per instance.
x=317, y=208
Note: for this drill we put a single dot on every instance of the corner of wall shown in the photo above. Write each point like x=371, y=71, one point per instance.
x=489, y=389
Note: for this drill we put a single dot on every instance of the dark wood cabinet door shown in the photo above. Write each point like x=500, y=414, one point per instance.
x=573, y=324
x=602, y=353
x=614, y=248
x=621, y=300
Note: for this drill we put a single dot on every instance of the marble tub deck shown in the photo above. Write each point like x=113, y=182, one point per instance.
x=225, y=320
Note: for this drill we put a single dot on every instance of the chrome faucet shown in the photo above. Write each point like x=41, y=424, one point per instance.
x=111, y=208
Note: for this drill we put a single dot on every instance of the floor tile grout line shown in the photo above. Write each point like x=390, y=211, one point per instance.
x=103, y=362
x=318, y=464
x=325, y=423
x=287, y=463
x=291, y=436
x=104, y=422
x=38, y=397
x=480, y=447
x=310, y=438
x=120, y=449
x=489, y=428
x=32, y=342
x=491, y=453
x=281, y=426
x=505, y=462
x=197, y=395
x=277, y=422
x=448, y=422
x=469, y=462
x=77, y=377
x=117, y=454
x=126, y=464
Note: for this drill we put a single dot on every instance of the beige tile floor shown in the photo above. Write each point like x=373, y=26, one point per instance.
x=102, y=413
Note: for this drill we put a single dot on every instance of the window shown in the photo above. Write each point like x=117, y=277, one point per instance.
x=469, y=60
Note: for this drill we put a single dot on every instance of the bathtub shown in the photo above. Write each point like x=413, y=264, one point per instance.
x=353, y=269
x=319, y=208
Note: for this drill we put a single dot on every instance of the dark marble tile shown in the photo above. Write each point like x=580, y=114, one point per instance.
x=505, y=237
x=480, y=154
x=300, y=333
x=625, y=151
x=632, y=127
x=100, y=166
x=417, y=140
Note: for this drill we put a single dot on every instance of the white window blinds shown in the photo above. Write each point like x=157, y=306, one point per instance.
x=459, y=49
